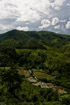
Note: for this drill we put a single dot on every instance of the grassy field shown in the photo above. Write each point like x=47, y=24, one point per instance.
x=24, y=72
x=41, y=75
x=38, y=75
x=4, y=68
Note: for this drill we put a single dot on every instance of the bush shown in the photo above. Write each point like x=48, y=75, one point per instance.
x=66, y=101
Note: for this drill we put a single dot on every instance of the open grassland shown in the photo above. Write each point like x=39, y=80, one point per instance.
x=41, y=75
x=4, y=68
x=24, y=72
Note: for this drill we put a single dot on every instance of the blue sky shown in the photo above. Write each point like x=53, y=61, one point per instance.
x=37, y=15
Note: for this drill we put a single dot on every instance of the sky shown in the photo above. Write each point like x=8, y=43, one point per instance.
x=35, y=15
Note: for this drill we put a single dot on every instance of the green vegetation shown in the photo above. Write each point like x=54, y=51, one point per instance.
x=15, y=88
x=33, y=40
x=44, y=77
x=46, y=55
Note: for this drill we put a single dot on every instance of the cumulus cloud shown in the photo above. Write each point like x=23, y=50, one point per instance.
x=55, y=20
x=30, y=13
x=32, y=16
x=22, y=28
x=59, y=2
x=45, y=23
x=27, y=10
x=68, y=25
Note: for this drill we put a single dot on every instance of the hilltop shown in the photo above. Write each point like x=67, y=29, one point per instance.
x=33, y=40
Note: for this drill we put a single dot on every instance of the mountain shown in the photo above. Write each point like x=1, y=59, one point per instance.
x=46, y=51
x=33, y=40
x=43, y=57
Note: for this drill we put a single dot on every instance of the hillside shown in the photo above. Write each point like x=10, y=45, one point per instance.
x=33, y=40
x=26, y=57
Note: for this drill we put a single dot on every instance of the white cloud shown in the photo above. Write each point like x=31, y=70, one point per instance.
x=32, y=16
x=55, y=20
x=57, y=27
x=62, y=21
x=68, y=25
x=27, y=10
x=45, y=23
x=57, y=8
x=56, y=4
x=22, y=28
x=7, y=10
x=59, y=2
x=14, y=13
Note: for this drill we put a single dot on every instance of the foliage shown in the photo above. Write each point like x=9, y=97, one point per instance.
x=43, y=51
x=26, y=94
x=11, y=79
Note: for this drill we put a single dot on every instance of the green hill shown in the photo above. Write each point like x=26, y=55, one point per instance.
x=33, y=40
x=46, y=51
x=45, y=56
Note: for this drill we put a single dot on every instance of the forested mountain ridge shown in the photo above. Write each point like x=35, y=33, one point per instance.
x=44, y=57
x=33, y=40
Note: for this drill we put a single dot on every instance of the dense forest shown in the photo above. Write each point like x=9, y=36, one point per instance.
x=43, y=52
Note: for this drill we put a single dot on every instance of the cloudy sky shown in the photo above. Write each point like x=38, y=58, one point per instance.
x=29, y=15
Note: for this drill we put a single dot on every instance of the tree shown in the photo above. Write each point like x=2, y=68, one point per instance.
x=12, y=80
x=66, y=101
